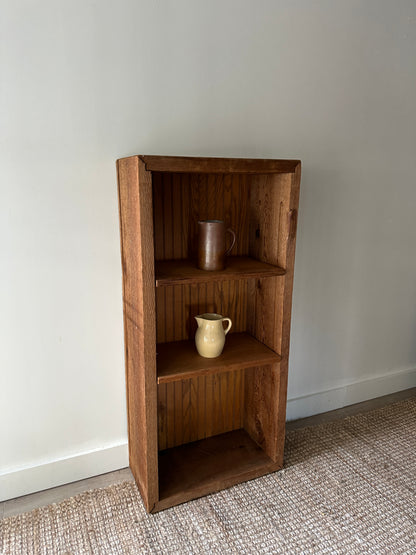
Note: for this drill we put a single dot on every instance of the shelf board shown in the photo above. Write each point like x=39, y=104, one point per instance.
x=201, y=467
x=178, y=272
x=190, y=164
x=180, y=360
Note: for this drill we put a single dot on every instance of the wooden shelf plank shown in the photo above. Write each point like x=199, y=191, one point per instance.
x=189, y=164
x=202, y=467
x=180, y=360
x=179, y=272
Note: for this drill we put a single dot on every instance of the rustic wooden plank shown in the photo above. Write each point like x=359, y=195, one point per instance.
x=162, y=416
x=179, y=360
x=158, y=218
x=184, y=164
x=261, y=407
x=160, y=314
x=227, y=400
x=168, y=237
x=201, y=404
x=179, y=421
x=193, y=410
x=169, y=316
x=186, y=201
x=217, y=417
x=177, y=216
x=137, y=251
x=289, y=264
x=170, y=414
x=186, y=411
x=171, y=272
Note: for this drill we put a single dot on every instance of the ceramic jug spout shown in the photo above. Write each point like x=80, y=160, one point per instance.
x=199, y=320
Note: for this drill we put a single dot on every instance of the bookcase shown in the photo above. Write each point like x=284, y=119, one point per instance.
x=198, y=425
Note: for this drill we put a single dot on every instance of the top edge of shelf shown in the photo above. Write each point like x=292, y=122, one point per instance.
x=193, y=164
x=178, y=272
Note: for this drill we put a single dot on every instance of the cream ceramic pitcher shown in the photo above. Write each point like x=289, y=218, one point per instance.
x=210, y=335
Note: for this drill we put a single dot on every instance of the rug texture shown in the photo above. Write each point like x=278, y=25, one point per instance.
x=347, y=487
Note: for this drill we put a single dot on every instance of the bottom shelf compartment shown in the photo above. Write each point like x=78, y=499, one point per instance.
x=209, y=465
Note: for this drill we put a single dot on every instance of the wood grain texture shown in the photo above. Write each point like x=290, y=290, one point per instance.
x=287, y=260
x=182, y=164
x=199, y=407
x=136, y=226
x=174, y=272
x=177, y=306
x=180, y=360
x=269, y=209
x=209, y=465
x=261, y=407
x=161, y=201
x=273, y=208
x=180, y=200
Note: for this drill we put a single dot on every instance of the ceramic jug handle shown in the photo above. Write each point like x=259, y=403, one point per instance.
x=233, y=242
x=229, y=325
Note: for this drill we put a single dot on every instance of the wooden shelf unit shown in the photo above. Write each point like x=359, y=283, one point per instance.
x=198, y=425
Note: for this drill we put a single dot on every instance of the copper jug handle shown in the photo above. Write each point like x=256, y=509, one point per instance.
x=227, y=252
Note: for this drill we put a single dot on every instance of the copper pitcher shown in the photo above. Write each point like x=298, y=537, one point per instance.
x=212, y=249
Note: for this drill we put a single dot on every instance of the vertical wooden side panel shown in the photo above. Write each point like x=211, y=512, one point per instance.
x=287, y=260
x=273, y=210
x=137, y=252
x=261, y=389
x=269, y=209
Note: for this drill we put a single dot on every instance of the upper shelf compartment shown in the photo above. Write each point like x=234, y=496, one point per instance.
x=178, y=272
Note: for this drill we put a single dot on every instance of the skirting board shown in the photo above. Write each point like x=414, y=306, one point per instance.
x=349, y=394
x=85, y=465
x=63, y=471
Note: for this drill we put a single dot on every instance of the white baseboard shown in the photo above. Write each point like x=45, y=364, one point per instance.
x=84, y=465
x=349, y=394
x=63, y=471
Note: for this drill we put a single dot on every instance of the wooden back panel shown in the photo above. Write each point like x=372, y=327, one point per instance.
x=180, y=200
x=200, y=407
x=177, y=306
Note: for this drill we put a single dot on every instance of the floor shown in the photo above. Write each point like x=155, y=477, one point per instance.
x=55, y=495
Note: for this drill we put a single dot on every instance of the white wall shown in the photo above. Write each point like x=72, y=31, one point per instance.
x=86, y=82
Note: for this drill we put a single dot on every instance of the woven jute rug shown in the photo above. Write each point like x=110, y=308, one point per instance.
x=347, y=487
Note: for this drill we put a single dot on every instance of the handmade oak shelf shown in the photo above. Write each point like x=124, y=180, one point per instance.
x=198, y=425
x=178, y=272
x=180, y=361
